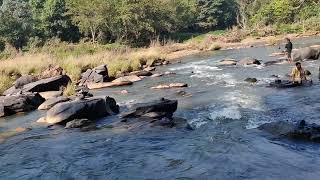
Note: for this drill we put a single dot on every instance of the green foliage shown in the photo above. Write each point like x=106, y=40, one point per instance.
x=216, y=14
x=16, y=25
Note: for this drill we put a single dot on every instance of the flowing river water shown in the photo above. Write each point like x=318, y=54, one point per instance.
x=225, y=144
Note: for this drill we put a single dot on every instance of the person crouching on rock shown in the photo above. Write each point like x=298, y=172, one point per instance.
x=288, y=51
x=298, y=74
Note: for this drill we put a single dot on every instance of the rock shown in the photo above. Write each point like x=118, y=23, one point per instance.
x=251, y=80
x=301, y=130
x=124, y=92
x=51, y=71
x=283, y=84
x=307, y=53
x=78, y=123
x=10, y=105
x=248, y=61
x=52, y=102
x=132, y=78
x=96, y=75
x=141, y=73
x=228, y=62
x=50, y=94
x=50, y=84
x=23, y=80
x=91, y=108
x=108, y=84
x=279, y=61
x=172, y=85
x=183, y=93
x=149, y=69
x=164, y=106
x=157, y=75
x=165, y=62
x=277, y=54
x=169, y=73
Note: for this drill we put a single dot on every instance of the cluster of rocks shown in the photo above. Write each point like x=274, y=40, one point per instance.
x=243, y=62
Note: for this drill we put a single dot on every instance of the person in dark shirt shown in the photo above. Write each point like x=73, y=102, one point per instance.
x=289, y=49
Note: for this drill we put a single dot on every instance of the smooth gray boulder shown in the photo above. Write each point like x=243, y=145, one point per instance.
x=308, y=53
x=251, y=80
x=52, y=102
x=248, y=61
x=91, y=108
x=163, y=106
x=300, y=130
x=51, y=94
x=10, y=105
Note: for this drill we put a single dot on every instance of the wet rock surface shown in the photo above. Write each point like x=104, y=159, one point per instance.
x=248, y=61
x=301, y=130
x=10, y=105
x=52, y=102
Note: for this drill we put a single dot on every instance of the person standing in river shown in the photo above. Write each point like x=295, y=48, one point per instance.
x=289, y=48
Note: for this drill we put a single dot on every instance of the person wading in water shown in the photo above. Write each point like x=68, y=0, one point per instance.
x=289, y=49
x=298, y=74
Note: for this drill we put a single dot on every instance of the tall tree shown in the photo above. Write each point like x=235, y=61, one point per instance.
x=89, y=16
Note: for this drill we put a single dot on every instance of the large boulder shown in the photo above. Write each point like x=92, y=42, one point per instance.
x=307, y=53
x=50, y=84
x=301, y=130
x=52, y=71
x=96, y=75
x=248, y=61
x=10, y=105
x=52, y=102
x=91, y=108
x=162, y=107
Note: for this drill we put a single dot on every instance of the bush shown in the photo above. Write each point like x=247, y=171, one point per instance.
x=70, y=90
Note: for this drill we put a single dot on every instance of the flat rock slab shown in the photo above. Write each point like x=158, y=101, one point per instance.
x=132, y=78
x=248, y=61
x=52, y=102
x=141, y=73
x=91, y=108
x=228, y=62
x=172, y=85
x=50, y=84
x=51, y=94
x=108, y=84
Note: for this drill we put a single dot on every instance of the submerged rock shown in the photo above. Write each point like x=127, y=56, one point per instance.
x=228, y=62
x=91, y=108
x=131, y=78
x=172, y=85
x=301, y=130
x=251, y=80
x=79, y=123
x=248, y=61
x=10, y=105
x=149, y=69
x=141, y=73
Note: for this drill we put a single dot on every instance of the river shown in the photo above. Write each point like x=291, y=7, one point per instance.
x=225, y=144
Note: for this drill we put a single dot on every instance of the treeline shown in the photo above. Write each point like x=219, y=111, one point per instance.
x=28, y=23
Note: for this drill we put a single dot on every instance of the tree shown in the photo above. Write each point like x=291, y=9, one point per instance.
x=216, y=13
x=89, y=16
x=51, y=21
x=16, y=25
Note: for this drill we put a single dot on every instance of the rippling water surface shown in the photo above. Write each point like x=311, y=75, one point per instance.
x=223, y=109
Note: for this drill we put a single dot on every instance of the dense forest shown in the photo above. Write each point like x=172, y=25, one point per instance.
x=28, y=23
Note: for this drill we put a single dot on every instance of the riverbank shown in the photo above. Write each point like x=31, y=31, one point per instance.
x=77, y=58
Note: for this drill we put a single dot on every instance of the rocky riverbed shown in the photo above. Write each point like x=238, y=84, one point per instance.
x=194, y=119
